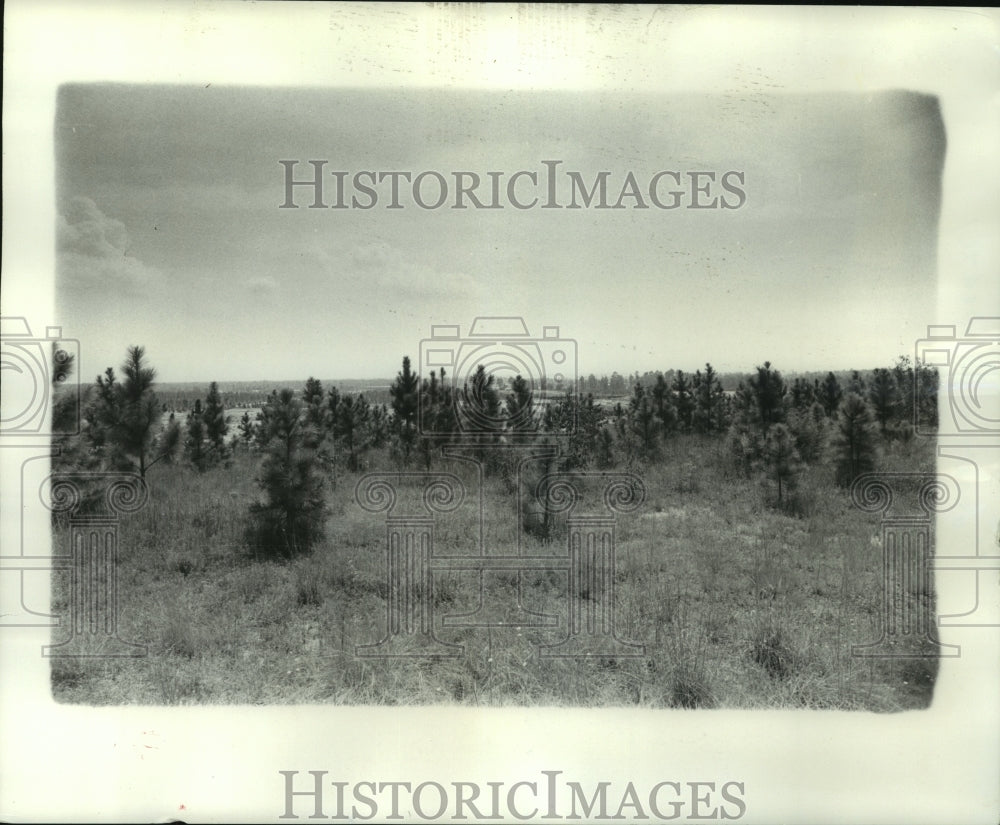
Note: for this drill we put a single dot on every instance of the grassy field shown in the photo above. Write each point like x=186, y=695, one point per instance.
x=739, y=605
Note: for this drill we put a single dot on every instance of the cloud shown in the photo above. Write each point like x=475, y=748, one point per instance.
x=385, y=268
x=93, y=251
x=261, y=286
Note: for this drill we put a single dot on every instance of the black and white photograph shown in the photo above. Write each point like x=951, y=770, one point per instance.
x=432, y=413
x=255, y=265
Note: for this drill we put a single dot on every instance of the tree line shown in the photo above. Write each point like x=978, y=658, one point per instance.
x=769, y=427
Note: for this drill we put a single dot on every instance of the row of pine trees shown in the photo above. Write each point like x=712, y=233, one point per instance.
x=768, y=428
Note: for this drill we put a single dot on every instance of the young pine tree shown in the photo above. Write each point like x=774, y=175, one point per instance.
x=520, y=407
x=538, y=518
x=709, y=402
x=378, y=426
x=857, y=384
x=290, y=520
x=664, y=404
x=809, y=428
x=683, y=400
x=903, y=373
x=405, y=399
x=140, y=408
x=767, y=393
x=313, y=398
x=643, y=428
x=246, y=429
x=605, y=455
x=73, y=453
x=171, y=441
x=926, y=380
x=744, y=440
x=803, y=394
x=883, y=398
x=584, y=441
x=126, y=414
x=481, y=412
x=781, y=460
x=100, y=411
x=194, y=444
x=480, y=403
x=262, y=426
x=854, y=442
x=830, y=394
x=427, y=443
x=65, y=400
x=216, y=427
x=351, y=428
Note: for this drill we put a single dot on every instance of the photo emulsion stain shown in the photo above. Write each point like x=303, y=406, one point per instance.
x=495, y=399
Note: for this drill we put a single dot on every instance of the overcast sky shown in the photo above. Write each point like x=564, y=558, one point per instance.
x=170, y=233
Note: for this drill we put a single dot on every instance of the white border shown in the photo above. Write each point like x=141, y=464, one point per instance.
x=141, y=764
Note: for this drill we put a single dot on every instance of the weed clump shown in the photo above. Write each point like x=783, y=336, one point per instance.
x=689, y=687
x=770, y=648
x=180, y=636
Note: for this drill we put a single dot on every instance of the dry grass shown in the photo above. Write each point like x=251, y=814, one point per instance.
x=738, y=605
